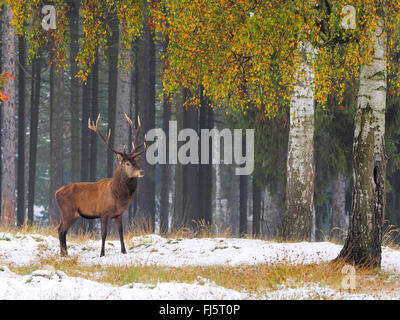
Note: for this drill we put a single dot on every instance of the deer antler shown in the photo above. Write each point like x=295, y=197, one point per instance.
x=95, y=127
x=134, y=152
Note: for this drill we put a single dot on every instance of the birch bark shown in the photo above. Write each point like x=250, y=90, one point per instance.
x=297, y=222
x=363, y=243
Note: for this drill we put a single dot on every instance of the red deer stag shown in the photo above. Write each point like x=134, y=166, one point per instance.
x=106, y=199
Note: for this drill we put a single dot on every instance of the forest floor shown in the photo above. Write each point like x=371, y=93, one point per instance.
x=184, y=268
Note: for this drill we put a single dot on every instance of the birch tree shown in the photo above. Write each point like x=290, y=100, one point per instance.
x=297, y=222
x=363, y=243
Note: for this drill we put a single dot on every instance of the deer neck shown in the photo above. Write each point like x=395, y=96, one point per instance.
x=122, y=186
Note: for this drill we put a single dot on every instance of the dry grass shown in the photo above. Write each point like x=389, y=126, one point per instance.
x=391, y=236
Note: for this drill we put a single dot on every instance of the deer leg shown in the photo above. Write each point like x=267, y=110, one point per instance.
x=62, y=233
x=103, y=222
x=118, y=223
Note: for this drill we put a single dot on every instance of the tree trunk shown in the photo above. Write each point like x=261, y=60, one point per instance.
x=74, y=98
x=205, y=170
x=338, y=216
x=297, y=223
x=56, y=138
x=272, y=214
x=21, y=131
x=94, y=112
x=8, y=124
x=1, y=116
x=112, y=53
x=93, y=137
x=256, y=207
x=180, y=192
x=363, y=243
x=84, y=224
x=146, y=100
x=33, y=137
x=218, y=188
x=208, y=199
x=165, y=185
x=243, y=181
x=191, y=174
x=124, y=86
x=122, y=128
x=85, y=131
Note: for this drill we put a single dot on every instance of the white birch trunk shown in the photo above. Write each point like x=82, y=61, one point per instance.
x=363, y=243
x=299, y=207
x=217, y=182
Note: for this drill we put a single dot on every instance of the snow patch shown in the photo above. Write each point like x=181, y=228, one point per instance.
x=53, y=285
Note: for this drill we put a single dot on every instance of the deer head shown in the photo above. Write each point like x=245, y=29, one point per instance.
x=127, y=160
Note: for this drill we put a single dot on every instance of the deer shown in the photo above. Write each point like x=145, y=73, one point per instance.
x=105, y=199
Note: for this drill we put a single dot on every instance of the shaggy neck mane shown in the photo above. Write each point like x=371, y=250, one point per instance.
x=122, y=186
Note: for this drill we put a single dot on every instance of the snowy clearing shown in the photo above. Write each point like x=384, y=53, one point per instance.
x=27, y=249
x=22, y=249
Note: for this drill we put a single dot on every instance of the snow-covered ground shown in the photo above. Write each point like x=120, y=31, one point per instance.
x=27, y=249
x=50, y=285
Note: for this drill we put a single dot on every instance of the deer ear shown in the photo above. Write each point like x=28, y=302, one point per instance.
x=119, y=158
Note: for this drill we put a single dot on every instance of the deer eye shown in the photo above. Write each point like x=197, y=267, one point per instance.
x=128, y=164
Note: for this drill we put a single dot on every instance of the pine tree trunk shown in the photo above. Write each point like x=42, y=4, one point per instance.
x=363, y=243
x=179, y=196
x=256, y=207
x=33, y=137
x=191, y=174
x=297, y=223
x=85, y=131
x=338, y=216
x=122, y=128
x=74, y=98
x=165, y=185
x=208, y=197
x=21, y=131
x=94, y=112
x=272, y=214
x=218, y=188
x=112, y=87
x=202, y=167
x=93, y=137
x=1, y=121
x=205, y=170
x=82, y=224
x=146, y=101
x=243, y=181
x=8, y=108
x=56, y=139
